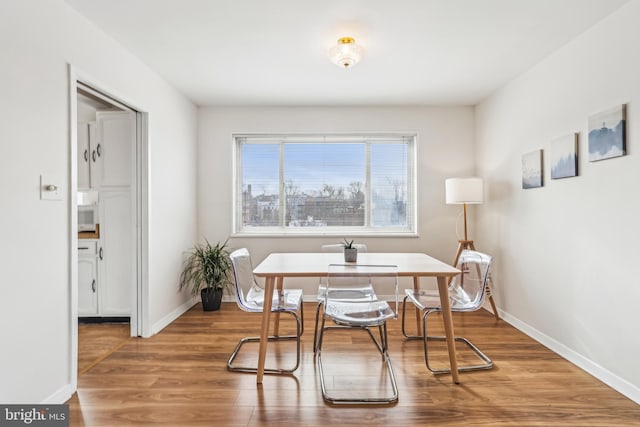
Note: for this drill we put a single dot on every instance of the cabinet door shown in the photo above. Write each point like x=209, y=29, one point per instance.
x=84, y=156
x=117, y=278
x=115, y=149
x=87, y=286
x=94, y=182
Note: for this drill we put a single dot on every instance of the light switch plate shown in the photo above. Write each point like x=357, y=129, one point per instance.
x=50, y=187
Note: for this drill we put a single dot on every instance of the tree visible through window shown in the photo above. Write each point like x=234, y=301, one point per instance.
x=324, y=184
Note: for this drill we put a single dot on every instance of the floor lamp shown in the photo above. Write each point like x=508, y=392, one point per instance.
x=464, y=191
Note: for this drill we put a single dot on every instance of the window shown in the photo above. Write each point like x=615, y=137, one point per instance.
x=332, y=184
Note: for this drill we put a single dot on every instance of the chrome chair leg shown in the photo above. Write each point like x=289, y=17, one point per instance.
x=488, y=363
x=250, y=369
x=301, y=318
x=315, y=331
x=404, y=332
x=382, y=347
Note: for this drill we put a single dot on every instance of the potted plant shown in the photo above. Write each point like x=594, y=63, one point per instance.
x=207, y=272
x=350, y=251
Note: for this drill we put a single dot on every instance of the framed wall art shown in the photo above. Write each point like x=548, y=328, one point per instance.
x=607, y=134
x=564, y=156
x=532, y=169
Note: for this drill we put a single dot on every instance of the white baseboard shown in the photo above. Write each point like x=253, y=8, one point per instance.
x=60, y=396
x=166, y=320
x=609, y=378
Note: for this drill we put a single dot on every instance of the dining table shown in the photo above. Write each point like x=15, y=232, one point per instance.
x=276, y=266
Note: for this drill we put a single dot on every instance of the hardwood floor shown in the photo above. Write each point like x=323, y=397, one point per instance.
x=179, y=378
x=96, y=341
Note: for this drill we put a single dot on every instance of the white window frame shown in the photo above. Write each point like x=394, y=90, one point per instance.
x=410, y=230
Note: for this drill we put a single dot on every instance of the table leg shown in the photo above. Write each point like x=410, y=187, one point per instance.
x=264, y=333
x=416, y=287
x=448, y=326
x=276, y=319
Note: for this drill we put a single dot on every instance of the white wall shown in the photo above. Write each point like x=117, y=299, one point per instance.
x=445, y=149
x=567, y=253
x=38, y=39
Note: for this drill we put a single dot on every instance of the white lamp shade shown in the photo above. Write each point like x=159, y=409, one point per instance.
x=463, y=190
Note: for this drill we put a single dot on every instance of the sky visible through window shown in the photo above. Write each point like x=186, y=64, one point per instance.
x=261, y=168
x=310, y=166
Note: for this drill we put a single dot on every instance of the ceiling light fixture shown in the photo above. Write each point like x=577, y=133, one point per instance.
x=346, y=53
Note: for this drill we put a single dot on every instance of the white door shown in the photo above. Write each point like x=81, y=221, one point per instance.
x=115, y=149
x=116, y=255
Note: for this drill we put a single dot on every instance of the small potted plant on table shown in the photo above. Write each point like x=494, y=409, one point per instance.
x=207, y=272
x=350, y=251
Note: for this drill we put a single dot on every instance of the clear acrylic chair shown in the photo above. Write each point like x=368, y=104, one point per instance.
x=286, y=301
x=466, y=293
x=359, y=313
x=366, y=292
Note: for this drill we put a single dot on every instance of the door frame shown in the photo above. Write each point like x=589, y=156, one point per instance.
x=140, y=293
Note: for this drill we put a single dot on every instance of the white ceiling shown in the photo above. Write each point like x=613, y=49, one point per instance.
x=274, y=52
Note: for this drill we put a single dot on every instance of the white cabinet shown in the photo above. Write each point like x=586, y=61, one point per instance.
x=106, y=276
x=115, y=254
x=86, y=135
x=106, y=148
x=115, y=149
x=87, y=278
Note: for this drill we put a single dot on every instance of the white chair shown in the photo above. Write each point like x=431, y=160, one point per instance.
x=366, y=292
x=359, y=313
x=466, y=293
x=288, y=301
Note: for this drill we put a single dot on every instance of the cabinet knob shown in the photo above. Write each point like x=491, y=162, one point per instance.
x=100, y=254
x=93, y=155
x=86, y=155
x=93, y=285
x=99, y=150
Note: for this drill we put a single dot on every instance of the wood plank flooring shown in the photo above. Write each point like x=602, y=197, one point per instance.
x=96, y=341
x=179, y=378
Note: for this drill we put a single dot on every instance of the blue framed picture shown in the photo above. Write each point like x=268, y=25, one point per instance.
x=607, y=134
x=532, y=169
x=564, y=156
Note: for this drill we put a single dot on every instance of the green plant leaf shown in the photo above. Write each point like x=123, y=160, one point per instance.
x=348, y=244
x=206, y=266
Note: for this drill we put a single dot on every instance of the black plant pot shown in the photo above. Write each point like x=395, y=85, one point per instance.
x=211, y=299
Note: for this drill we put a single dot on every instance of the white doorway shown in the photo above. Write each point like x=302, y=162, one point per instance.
x=113, y=253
